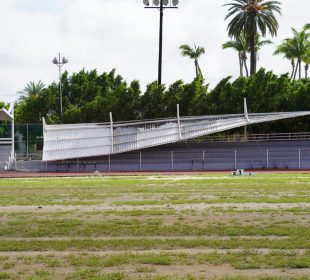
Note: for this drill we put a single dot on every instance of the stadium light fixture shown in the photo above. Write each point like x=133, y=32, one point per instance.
x=161, y=5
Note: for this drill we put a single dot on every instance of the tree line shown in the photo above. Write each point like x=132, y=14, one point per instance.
x=89, y=97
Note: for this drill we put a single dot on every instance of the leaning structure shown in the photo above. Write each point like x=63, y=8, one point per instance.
x=71, y=141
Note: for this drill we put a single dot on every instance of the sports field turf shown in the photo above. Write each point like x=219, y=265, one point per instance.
x=211, y=226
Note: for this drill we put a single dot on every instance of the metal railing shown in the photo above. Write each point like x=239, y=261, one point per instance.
x=272, y=137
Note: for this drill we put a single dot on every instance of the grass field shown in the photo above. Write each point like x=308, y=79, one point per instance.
x=209, y=226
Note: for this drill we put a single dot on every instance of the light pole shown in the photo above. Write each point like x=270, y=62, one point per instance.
x=60, y=61
x=161, y=5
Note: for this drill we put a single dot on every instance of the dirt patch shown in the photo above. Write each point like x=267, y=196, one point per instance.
x=223, y=271
x=190, y=251
x=68, y=174
x=215, y=238
x=200, y=206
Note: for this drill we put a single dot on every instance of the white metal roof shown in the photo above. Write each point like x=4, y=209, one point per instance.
x=63, y=142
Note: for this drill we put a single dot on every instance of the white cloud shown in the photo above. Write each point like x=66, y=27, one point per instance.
x=106, y=34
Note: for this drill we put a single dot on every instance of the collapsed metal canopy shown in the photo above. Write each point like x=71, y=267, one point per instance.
x=5, y=115
x=86, y=140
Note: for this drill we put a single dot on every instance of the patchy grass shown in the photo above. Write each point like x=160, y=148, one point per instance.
x=92, y=191
x=112, y=219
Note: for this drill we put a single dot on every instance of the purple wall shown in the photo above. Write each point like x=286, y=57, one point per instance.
x=190, y=157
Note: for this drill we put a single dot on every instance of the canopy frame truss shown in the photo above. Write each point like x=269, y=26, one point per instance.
x=70, y=141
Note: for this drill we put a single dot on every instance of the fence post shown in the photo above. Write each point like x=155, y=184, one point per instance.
x=203, y=157
x=140, y=161
x=109, y=163
x=27, y=148
x=299, y=158
x=112, y=136
x=236, y=159
x=267, y=160
x=172, y=161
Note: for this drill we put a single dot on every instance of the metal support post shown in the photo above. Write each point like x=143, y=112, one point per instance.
x=12, y=162
x=140, y=161
x=246, y=114
x=203, y=157
x=60, y=92
x=109, y=163
x=60, y=61
x=112, y=138
x=179, y=121
x=161, y=5
x=236, y=159
x=27, y=147
x=160, y=56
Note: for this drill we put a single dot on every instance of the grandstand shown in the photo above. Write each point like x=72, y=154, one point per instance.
x=165, y=145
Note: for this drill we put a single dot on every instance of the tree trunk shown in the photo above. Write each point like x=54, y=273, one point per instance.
x=246, y=68
x=296, y=69
x=306, y=70
x=299, y=62
x=253, y=52
x=196, y=67
x=293, y=68
x=241, y=65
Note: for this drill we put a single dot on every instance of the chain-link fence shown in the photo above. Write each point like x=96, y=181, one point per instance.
x=28, y=139
x=182, y=160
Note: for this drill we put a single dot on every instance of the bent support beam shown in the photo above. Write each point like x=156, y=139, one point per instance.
x=246, y=114
x=67, y=141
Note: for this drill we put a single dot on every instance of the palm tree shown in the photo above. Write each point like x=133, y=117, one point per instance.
x=32, y=89
x=307, y=56
x=296, y=49
x=251, y=16
x=260, y=43
x=307, y=62
x=193, y=53
x=286, y=49
x=240, y=45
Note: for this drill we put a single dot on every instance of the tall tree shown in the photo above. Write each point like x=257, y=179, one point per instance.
x=32, y=90
x=287, y=51
x=251, y=16
x=307, y=56
x=36, y=101
x=193, y=53
x=296, y=49
x=240, y=45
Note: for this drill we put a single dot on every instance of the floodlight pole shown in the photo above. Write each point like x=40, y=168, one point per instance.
x=160, y=57
x=161, y=19
x=59, y=62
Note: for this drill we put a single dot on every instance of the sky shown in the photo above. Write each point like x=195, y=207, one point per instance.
x=121, y=34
